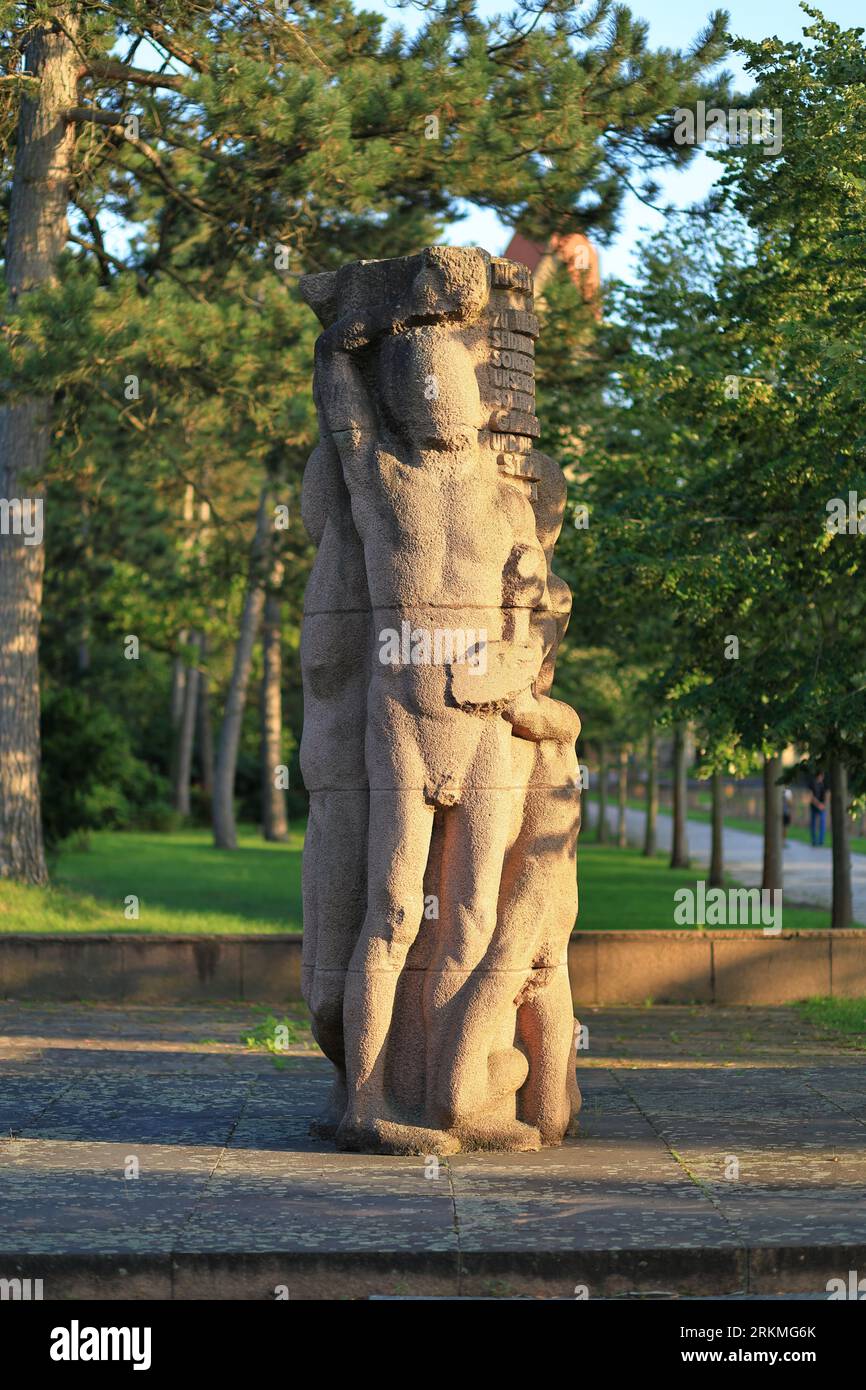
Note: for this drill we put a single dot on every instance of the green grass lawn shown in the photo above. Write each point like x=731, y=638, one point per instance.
x=753, y=827
x=184, y=885
x=842, y=1019
x=622, y=891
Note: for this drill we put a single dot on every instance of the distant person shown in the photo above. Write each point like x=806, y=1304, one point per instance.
x=818, y=809
x=787, y=803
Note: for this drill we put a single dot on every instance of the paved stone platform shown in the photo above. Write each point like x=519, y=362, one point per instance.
x=721, y=1151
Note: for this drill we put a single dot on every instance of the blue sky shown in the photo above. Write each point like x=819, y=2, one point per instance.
x=672, y=24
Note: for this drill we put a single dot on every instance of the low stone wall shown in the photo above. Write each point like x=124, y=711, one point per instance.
x=627, y=967
x=150, y=969
x=715, y=967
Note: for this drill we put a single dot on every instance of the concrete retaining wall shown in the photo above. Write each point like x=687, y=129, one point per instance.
x=717, y=967
x=150, y=969
x=666, y=967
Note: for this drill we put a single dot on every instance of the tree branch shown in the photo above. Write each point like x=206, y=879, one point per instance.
x=153, y=158
x=161, y=35
x=109, y=71
x=95, y=114
x=105, y=258
x=98, y=243
x=179, y=280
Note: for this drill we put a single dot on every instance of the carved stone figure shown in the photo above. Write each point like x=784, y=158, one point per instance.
x=439, y=871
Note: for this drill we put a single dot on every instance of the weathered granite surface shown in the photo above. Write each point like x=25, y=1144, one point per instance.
x=235, y=1199
x=439, y=866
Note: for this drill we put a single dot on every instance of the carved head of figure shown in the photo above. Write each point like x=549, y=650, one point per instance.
x=452, y=283
x=428, y=367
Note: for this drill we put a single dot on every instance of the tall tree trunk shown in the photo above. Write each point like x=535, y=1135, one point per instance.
x=181, y=665
x=36, y=236
x=204, y=723
x=652, y=795
x=601, y=829
x=84, y=634
x=83, y=657
x=177, y=701
x=840, y=826
x=178, y=682
x=680, y=841
x=275, y=821
x=773, y=861
x=622, y=799
x=205, y=726
x=224, y=828
x=717, y=852
x=186, y=732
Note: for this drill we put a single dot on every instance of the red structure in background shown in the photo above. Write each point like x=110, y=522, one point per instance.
x=575, y=251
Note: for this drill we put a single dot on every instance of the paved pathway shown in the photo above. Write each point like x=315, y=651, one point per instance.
x=721, y=1151
x=808, y=871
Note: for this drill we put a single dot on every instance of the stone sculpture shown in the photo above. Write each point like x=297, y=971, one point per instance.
x=439, y=870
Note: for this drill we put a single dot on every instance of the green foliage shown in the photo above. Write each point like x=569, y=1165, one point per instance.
x=272, y=1034
x=173, y=340
x=729, y=420
x=91, y=779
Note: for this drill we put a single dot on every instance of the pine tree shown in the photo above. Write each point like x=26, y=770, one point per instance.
x=172, y=169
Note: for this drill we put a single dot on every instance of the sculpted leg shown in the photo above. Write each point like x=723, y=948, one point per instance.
x=550, y=1096
x=401, y=824
x=335, y=852
x=474, y=1070
x=310, y=870
x=543, y=903
x=336, y=884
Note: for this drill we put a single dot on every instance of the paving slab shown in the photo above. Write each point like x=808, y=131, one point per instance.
x=148, y=1152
